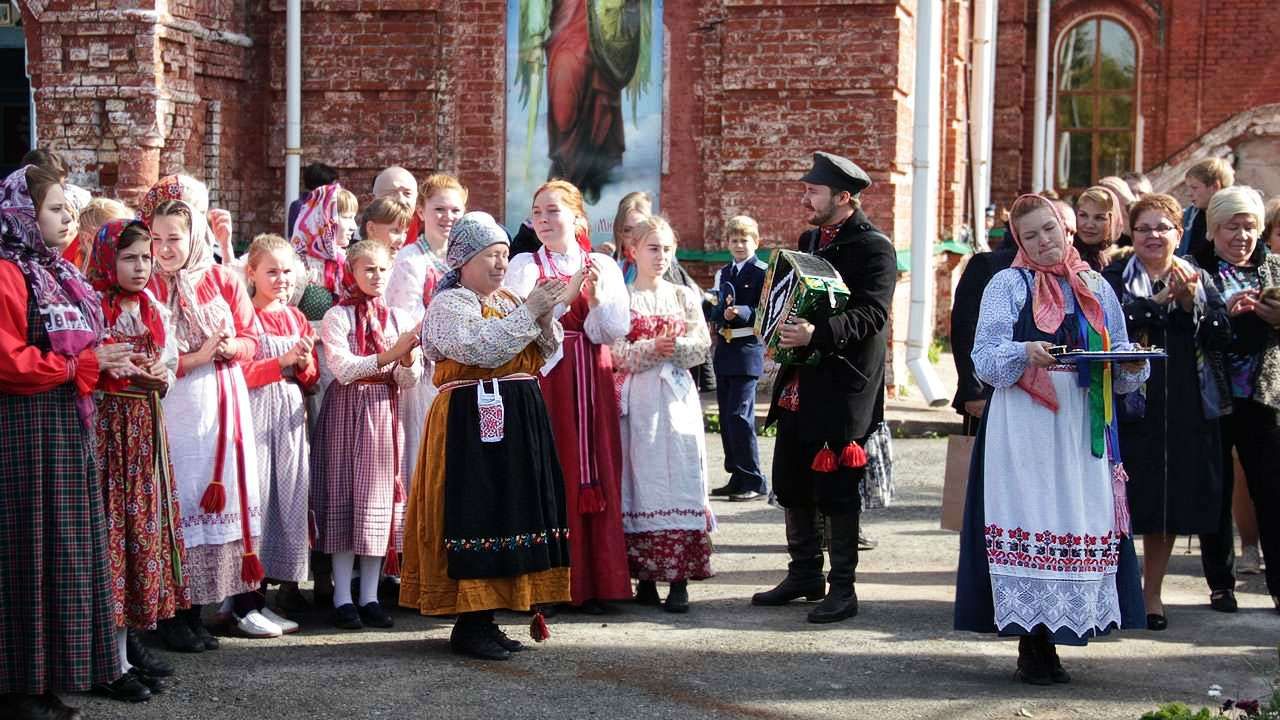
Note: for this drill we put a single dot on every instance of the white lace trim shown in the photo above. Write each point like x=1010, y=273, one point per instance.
x=1082, y=606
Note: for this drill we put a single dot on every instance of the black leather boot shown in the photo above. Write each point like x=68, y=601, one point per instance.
x=143, y=659
x=841, y=601
x=804, y=571
x=472, y=636
x=1033, y=667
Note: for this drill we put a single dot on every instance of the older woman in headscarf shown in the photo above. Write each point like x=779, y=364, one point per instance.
x=1045, y=553
x=1249, y=281
x=214, y=458
x=1175, y=488
x=1099, y=225
x=57, y=630
x=486, y=525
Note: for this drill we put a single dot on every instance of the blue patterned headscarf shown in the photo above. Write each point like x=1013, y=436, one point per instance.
x=473, y=232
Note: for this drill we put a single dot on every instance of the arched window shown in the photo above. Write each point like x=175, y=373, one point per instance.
x=1097, y=91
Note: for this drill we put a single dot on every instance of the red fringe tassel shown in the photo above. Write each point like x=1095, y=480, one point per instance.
x=824, y=461
x=538, y=628
x=251, y=570
x=392, y=564
x=853, y=456
x=214, y=500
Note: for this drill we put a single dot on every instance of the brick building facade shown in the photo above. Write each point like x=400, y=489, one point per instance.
x=130, y=90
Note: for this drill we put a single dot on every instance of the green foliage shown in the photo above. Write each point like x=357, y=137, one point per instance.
x=1178, y=711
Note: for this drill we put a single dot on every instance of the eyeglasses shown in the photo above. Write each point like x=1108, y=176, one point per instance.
x=1157, y=230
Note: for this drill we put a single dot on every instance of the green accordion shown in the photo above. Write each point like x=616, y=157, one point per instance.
x=798, y=285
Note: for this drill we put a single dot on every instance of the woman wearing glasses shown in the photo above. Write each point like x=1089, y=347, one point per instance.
x=1174, y=488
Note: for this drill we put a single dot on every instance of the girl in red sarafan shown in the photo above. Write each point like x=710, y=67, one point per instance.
x=144, y=532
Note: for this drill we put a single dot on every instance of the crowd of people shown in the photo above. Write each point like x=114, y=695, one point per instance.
x=403, y=400
x=396, y=398
x=1073, y=461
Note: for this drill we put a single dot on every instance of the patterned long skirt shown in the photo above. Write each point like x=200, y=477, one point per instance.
x=56, y=628
x=144, y=532
x=354, y=498
x=280, y=422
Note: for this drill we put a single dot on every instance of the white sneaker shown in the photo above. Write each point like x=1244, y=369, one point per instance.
x=1250, y=562
x=286, y=625
x=254, y=625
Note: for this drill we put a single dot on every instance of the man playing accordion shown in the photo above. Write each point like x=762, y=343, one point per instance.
x=825, y=411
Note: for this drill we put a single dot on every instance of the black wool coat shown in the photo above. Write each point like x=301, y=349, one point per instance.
x=842, y=397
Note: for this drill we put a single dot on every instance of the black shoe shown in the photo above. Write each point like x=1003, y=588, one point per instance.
x=724, y=490
x=548, y=611
x=153, y=683
x=347, y=617
x=1049, y=652
x=196, y=623
x=866, y=543
x=791, y=589
x=372, y=615
x=1223, y=601
x=1033, y=669
x=176, y=635
x=677, y=598
x=839, y=604
x=746, y=496
x=647, y=593
x=290, y=599
x=127, y=688
x=1157, y=622
x=501, y=638
x=475, y=640
x=143, y=659
x=36, y=707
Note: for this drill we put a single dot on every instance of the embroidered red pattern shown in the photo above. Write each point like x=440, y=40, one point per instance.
x=1050, y=551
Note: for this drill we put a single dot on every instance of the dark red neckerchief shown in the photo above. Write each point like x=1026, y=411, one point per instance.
x=827, y=233
x=372, y=316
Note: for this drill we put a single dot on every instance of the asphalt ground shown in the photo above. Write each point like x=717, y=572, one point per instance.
x=898, y=658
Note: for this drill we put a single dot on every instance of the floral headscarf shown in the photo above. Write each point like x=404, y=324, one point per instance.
x=178, y=289
x=1048, y=305
x=67, y=303
x=102, y=273
x=316, y=232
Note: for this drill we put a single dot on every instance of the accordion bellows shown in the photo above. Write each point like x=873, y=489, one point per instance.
x=797, y=285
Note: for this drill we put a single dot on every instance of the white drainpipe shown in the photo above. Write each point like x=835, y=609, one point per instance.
x=292, y=101
x=926, y=142
x=1042, y=96
x=982, y=111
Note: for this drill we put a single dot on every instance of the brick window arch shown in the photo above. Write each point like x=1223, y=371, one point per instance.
x=1096, y=102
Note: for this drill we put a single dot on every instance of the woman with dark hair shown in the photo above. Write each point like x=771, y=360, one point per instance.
x=1249, y=281
x=57, y=632
x=1175, y=488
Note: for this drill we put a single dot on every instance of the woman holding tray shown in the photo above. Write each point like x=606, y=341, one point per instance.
x=1045, y=553
x=1174, y=488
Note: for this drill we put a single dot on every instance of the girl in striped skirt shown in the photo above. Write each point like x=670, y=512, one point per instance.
x=357, y=493
x=283, y=370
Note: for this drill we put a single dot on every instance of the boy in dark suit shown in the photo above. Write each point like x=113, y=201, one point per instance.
x=738, y=359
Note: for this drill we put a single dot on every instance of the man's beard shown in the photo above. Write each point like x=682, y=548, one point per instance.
x=823, y=217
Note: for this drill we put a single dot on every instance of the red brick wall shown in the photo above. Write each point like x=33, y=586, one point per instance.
x=1196, y=72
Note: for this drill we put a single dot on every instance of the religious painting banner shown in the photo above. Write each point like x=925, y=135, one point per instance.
x=584, y=103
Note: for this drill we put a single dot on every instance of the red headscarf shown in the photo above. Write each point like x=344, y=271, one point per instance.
x=1048, y=306
x=102, y=273
x=372, y=315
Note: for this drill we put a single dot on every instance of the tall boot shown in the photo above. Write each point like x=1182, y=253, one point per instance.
x=841, y=601
x=804, y=571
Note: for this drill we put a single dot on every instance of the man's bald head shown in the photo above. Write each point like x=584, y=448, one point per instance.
x=398, y=182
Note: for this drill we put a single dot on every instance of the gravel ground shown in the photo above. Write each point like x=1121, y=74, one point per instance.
x=725, y=659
